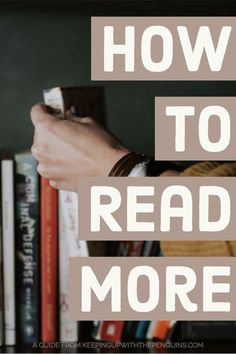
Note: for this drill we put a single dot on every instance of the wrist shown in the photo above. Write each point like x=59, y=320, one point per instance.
x=111, y=158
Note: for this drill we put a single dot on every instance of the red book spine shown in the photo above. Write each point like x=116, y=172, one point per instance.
x=135, y=248
x=112, y=330
x=49, y=264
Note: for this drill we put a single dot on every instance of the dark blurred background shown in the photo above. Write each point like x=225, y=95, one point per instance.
x=45, y=44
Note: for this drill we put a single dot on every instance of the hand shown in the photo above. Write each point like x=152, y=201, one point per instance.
x=68, y=149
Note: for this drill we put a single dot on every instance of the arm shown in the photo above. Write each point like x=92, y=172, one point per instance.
x=68, y=149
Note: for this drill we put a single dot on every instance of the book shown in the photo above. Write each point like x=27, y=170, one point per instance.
x=1, y=296
x=1, y=276
x=151, y=328
x=69, y=246
x=141, y=330
x=122, y=248
x=161, y=330
x=135, y=248
x=49, y=263
x=207, y=330
x=108, y=330
x=97, y=248
x=173, y=329
x=8, y=232
x=96, y=330
x=85, y=101
x=151, y=249
x=27, y=249
x=130, y=249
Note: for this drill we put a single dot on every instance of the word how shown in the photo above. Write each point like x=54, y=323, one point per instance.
x=192, y=55
x=163, y=48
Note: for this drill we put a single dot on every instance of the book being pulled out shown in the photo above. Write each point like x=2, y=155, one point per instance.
x=82, y=101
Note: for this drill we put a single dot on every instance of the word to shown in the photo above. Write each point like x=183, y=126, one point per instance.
x=195, y=128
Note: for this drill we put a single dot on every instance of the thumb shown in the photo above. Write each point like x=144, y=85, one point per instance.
x=39, y=113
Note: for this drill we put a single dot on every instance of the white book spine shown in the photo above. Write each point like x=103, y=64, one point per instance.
x=1, y=290
x=69, y=244
x=8, y=250
x=151, y=329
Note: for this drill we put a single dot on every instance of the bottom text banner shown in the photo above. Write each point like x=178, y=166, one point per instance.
x=146, y=288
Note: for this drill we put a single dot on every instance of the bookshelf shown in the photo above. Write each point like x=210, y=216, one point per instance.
x=40, y=31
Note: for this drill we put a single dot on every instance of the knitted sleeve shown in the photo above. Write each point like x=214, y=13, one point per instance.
x=153, y=168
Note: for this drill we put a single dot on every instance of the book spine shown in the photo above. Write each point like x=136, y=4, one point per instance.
x=27, y=250
x=207, y=330
x=96, y=330
x=131, y=249
x=69, y=246
x=111, y=330
x=54, y=99
x=151, y=328
x=49, y=254
x=147, y=247
x=8, y=251
x=151, y=249
x=135, y=248
x=162, y=329
x=1, y=279
x=172, y=330
x=130, y=330
x=123, y=248
x=141, y=330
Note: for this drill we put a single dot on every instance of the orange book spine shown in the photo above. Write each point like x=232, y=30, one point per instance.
x=49, y=263
x=161, y=330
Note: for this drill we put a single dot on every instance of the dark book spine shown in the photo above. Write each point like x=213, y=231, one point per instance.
x=130, y=330
x=208, y=330
x=27, y=250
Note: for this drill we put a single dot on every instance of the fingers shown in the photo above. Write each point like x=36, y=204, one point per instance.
x=56, y=184
x=39, y=113
x=70, y=115
x=83, y=120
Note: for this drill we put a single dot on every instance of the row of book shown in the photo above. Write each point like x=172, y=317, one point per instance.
x=132, y=330
x=39, y=234
x=164, y=331
x=34, y=270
